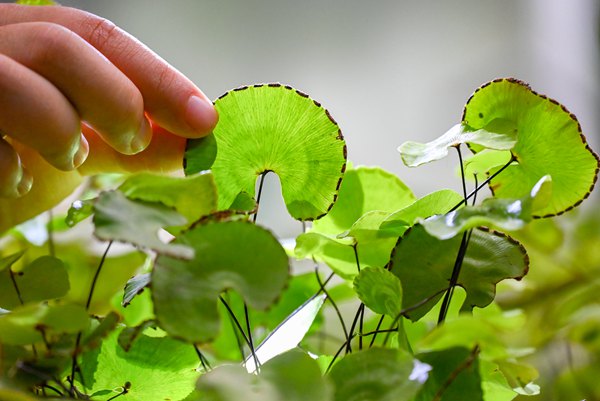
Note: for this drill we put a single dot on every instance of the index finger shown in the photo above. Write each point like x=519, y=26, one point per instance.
x=170, y=98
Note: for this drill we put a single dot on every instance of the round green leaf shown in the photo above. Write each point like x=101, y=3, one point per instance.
x=424, y=265
x=157, y=368
x=549, y=142
x=380, y=290
x=363, y=190
x=235, y=254
x=273, y=128
x=376, y=374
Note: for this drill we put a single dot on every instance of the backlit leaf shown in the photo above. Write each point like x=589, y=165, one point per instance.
x=235, y=254
x=424, y=265
x=273, y=128
x=135, y=286
x=380, y=290
x=79, y=211
x=158, y=368
x=549, y=142
x=137, y=222
x=414, y=153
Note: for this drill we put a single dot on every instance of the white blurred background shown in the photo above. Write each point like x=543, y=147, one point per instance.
x=388, y=71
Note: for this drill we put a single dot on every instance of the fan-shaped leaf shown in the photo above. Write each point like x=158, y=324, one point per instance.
x=288, y=334
x=414, y=153
x=363, y=190
x=157, y=368
x=424, y=265
x=273, y=128
x=380, y=290
x=376, y=374
x=193, y=196
x=137, y=222
x=235, y=254
x=549, y=142
x=504, y=214
x=43, y=279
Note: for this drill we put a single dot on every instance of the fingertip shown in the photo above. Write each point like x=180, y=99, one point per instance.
x=142, y=139
x=201, y=115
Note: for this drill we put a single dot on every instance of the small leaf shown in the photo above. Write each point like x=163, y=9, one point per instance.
x=380, y=290
x=274, y=128
x=79, y=211
x=549, y=142
x=235, y=254
x=157, y=368
x=503, y=214
x=135, y=286
x=136, y=222
x=481, y=163
x=129, y=334
x=364, y=189
x=44, y=279
x=107, y=325
x=376, y=374
x=414, y=153
x=438, y=202
x=424, y=265
x=288, y=334
x=193, y=196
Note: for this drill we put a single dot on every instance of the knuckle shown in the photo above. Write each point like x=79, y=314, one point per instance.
x=50, y=41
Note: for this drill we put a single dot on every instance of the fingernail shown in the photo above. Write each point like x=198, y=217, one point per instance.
x=142, y=139
x=82, y=152
x=201, y=115
x=24, y=186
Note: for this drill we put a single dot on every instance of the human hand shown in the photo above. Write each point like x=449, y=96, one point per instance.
x=75, y=86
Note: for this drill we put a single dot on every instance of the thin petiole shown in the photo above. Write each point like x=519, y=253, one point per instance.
x=335, y=307
x=249, y=332
x=205, y=364
x=352, y=335
x=260, y=188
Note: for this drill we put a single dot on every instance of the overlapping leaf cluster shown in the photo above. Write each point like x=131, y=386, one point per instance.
x=182, y=296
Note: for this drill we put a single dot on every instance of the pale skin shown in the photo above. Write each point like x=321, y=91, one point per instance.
x=79, y=96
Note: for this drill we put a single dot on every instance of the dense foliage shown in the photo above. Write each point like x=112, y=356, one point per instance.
x=168, y=288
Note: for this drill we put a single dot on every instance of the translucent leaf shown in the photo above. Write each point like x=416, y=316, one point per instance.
x=128, y=335
x=22, y=325
x=288, y=334
x=414, y=153
x=293, y=376
x=500, y=213
x=137, y=222
x=43, y=279
x=340, y=256
x=158, y=368
x=380, y=290
x=549, y=142
x=193, y=196
x=135, y=286
x=481, y=163
x=454, y=376
x=235, y=254
x=438, y=202
x=376, y=374
x=364, y=189
x=273, y=128
x=94, y=337
x=424, y=265
x=79, y=211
